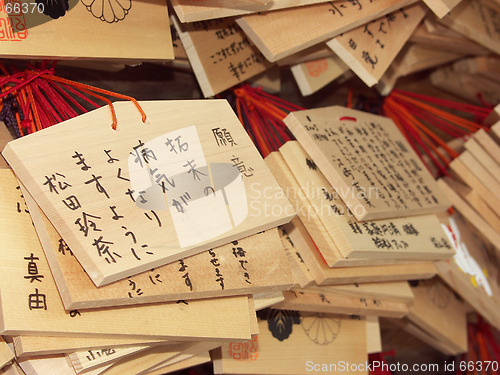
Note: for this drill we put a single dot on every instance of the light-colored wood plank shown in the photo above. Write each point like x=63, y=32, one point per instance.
x=409, y=238
x=56, y=365
x=495, y=131
x=477, y=177
x=301, y=273
x=370, y=49
x=478, y=21
x=263, y=300
x=345, y=144
x=427, y=338
x=6, y=354
x=392, y=290
x=472, y=217
x=118, y=32
x=196, y=10
x=220, y=54
x=485, y=66
x=84, y=361
x=373, y=336
x=437, y=311
x=313, y=337
x=334, y=303
x=31, y=305
x=306, y=26
x=318, y=51
x=5, y=137
x=269, y=80
x=145, y=361
x=29, y=346
x=174, y=365
x=264, y=268
x=476, y=202
x=473, y=88
x=204, y=152
x=324, y=275
x=441, y=7
x=311, y=76
x=488, y=144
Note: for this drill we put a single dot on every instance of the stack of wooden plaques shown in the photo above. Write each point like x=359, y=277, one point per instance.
x=149, y=250
x=228, y=43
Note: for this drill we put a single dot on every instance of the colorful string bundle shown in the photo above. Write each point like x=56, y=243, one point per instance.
x=416, y=114
x=35, y=98
x=262, y=116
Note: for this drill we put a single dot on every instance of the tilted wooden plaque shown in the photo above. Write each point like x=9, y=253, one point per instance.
x=368, y=162
x=131, y=199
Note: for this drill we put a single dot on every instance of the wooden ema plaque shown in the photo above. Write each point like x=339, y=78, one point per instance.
x=324, y=275
x=437, y=311
x=131, y=199
x=122, y=30
x=370, y=49
x=31, y=304
x=441, y=7
x=477, y=20
x=369, y=163
x=288, y=338
x=220, y=54
x=281, y=33
x=199, y=10
x=313, y=75
x=409, y=238
x=247, y=266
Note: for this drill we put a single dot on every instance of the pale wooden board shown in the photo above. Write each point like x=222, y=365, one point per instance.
x=167, y=233
x=409, y=238
x=83, y=361
x=283, y=32
x=220, y=54
x=476, y=202
x=319, y=338
x=325, y=275
x=318, y=51
x=470, y=87
x=5, y=137
x=414, y=58
x=373, y=336
x=31, y=305
x=174, y=365
x=455, y=42
x=486, y=142
x=477, y=177
x=301, y=273
x=263, y=300
x=264, y=262
x=472, y=217
x=28, y=346
x=339, y=139
x=179, y=51
x=474, y=276
x=392, y=290
x=198, y=10
x=6, y=355
x=477, y=20
x=495, y=130
x=437, y=311
x=55, y=365
x=441, y=7
x=370, y=49
x=143, y=33
x=12, y=369
x=335, y=303
x=313, y=75
x=427, y=338
x=144, y=361
x=485, y=66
